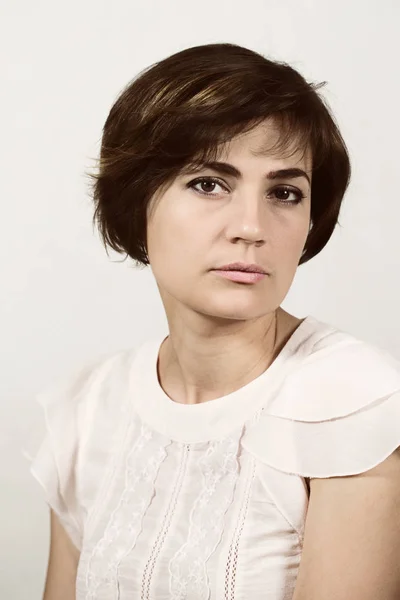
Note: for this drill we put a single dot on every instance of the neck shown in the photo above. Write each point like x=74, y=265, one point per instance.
x=194, y=369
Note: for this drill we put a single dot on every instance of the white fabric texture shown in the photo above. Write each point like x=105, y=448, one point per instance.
x=170, y=501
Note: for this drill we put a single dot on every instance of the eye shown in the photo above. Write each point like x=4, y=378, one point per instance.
x=208, y=182
x=283, y=191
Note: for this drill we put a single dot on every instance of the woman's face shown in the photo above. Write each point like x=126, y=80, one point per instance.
x=248, y=218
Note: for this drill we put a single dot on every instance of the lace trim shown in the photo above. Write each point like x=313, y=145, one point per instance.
x=162, y=534
x=231, y=566
x=219, y=466
x=124, y=526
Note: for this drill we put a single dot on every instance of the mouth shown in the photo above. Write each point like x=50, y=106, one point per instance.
x=243, y=268
x=240, y=276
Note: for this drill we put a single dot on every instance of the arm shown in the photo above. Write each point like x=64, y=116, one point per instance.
x=63, y=564
x=352, y=537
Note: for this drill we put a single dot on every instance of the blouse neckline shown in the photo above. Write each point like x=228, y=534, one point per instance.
x=214, y=419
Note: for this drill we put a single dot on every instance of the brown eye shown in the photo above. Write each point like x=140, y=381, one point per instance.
x=283, y=193
x=207, y=185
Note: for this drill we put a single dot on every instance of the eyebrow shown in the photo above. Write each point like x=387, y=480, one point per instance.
x=228, y=169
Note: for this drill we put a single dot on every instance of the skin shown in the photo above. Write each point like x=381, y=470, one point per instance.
x=352, y=537
x=222, y=333
x=63, y=564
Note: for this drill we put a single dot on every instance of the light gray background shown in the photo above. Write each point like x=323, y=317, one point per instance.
x=63, y=302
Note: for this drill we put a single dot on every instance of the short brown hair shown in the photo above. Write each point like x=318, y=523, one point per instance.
x=177, y=113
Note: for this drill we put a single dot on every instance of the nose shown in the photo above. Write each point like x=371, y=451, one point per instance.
x=246, y=221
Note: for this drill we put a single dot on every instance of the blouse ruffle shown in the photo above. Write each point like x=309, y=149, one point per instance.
x=337, y=414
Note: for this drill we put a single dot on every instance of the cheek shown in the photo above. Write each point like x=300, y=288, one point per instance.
x=289, y=245
x=172, y=242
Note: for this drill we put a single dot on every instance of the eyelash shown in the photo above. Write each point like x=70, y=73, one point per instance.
x=300, y=195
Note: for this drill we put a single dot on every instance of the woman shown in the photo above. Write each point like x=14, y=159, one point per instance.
x=249, y=454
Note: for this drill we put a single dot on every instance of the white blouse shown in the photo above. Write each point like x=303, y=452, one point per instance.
x=171, y=501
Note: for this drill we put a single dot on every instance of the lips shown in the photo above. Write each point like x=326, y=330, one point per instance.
x=248, y=277
x=238, y=266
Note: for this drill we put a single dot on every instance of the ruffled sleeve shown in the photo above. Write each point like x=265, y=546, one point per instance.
x=336, y=414
x=66, y=452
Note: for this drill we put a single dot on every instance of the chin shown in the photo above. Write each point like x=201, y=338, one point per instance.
x=243, y=311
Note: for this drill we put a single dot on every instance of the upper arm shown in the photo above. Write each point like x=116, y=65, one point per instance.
x=63, y=564
x=352, y=537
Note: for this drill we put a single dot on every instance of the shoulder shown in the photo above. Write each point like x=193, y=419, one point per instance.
x=83, y=409
x=92, y=390
x=83, y=414
x=336, y=412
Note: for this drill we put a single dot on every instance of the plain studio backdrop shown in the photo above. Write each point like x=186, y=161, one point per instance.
x=63, y=301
